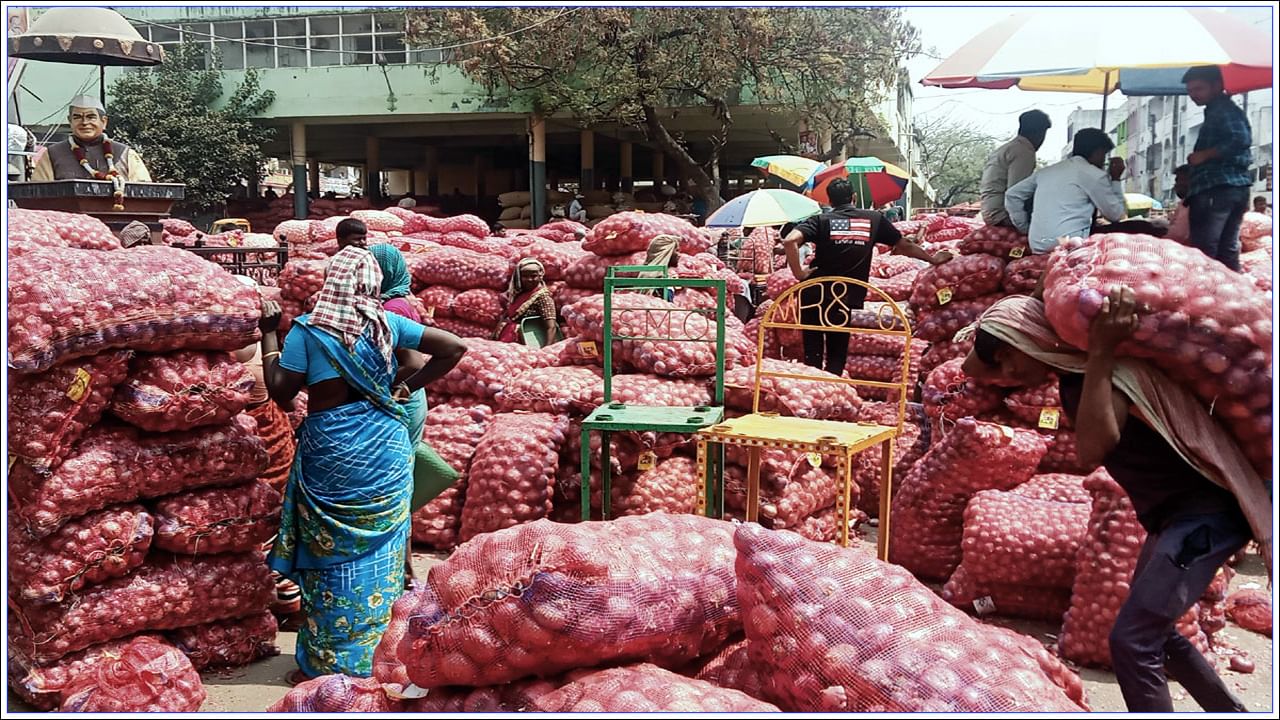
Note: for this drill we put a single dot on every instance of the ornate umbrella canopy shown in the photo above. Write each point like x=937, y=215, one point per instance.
x=85, y=36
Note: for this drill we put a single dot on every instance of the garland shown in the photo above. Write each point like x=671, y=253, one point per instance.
x=111, y=174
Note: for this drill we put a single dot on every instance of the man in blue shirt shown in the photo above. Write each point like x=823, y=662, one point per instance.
x=1220, y=178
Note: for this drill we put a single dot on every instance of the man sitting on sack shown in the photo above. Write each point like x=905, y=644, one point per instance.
x=88, y=153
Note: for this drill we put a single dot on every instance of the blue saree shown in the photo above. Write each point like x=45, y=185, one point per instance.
x=346, y=519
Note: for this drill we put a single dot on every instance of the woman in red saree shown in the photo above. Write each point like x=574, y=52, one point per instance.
x=528, y=297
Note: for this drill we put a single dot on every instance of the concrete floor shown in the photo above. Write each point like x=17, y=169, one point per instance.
x=254, y=688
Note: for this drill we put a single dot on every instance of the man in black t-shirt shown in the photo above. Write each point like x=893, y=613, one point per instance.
x=845, y=239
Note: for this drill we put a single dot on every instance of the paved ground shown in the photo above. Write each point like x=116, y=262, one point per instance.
x=254, y=688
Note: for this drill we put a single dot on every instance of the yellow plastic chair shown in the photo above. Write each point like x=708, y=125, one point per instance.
x=843, y=440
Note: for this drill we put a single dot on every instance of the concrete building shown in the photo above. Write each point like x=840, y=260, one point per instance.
x=349, y=93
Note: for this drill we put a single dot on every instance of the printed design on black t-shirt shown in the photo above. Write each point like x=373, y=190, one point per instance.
x=850, y=230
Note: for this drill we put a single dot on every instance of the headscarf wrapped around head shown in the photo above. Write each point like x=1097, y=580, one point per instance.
x=661, y=249
x=349, y=303
x=1168, y=407
x=395, y=273
x=515, y=287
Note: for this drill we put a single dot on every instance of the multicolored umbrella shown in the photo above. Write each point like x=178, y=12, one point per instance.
x=1100, y=50
x=875, y=181
x=763, y=208
x=791, y=168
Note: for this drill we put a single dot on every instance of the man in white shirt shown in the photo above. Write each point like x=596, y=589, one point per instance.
x=1010, y=164
x=1065, y=195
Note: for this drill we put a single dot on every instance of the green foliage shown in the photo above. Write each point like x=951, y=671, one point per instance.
x=171, y=113
x=623, y=64
x=953, y=155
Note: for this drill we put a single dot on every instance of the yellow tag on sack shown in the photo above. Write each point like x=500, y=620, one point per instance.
x=431, y=312
x=1017, y=252
x=79, y=385
x=945, y=295
x=647, y=460
x=815, y=460
x=1049, y=418
x=587, y=348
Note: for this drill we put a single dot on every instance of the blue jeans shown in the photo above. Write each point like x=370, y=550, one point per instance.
x=1174, y=568
x=1215, y=222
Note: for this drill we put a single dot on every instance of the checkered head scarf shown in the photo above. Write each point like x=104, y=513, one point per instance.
x=350, y=303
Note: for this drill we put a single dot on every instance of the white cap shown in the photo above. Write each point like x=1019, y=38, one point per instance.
x=87, y=101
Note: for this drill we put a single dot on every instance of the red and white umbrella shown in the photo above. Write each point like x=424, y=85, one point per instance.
x=1100, y=50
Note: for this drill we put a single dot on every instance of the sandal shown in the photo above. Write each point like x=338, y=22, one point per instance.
x=296, y=677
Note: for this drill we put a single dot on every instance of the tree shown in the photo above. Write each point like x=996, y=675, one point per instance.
x=171, y=113
x=953, y=154
x=630, y=65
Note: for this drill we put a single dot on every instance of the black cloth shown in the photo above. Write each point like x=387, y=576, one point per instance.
x=1174, y=569
x=1160, y=483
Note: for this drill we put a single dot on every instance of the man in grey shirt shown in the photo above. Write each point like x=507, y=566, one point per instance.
x=1010, y=164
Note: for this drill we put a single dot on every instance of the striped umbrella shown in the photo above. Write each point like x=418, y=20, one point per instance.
x=791, y=168
x=875, y=181
x=763, y=208
x=1100, y=50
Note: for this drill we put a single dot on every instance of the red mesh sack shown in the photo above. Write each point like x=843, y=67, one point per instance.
x=885, y=369
x=175, y=226
x=963, y=278
x=339, y=694
x=147, y=676
x=487, y=367
x=301, y=279
x=1204, y=325
x=453, y=431
x=910, y=445
x=937, y=324
x=117, y=464
x=34, y=229
x=379, y=220
x=86, y=551
x=779, y=282
x=542, y=598
x=574, y=351
x=629, y=232
x=835, y=630
x=460, y=268
x=556, y=257
x=566, y=296
x=463, y=329
x=1005, y=243
x=1251, y=610
x=672, y=486
x=797, y=398
x=1033, y=405
x=756, y=254
x=1015, y=540
x=45, y=687
x=1061, y=675
x=512, y=476
x=482, y=307
x=884, y=345
x=66, y=303
x=1104, y=568
x=647, y=390
x=1022, y=275
x=469, y=224
x=412, y=221
x=229, y=643
x=888, y=265
x=792, y=488
x=588, y=271
x=1063, y=455
x=49, y=412
x=984, y=597
x=1057, y=487
x=730, y=668
x=940, y=352
x=949, y=393
x=899, y=287
x=163, y=595
x=690, y=351
x=645, y=688
x=218, y=520
x=550, y=389
x=518, y=696
x=1255, y=231
x=928, y=509
x=182, y=390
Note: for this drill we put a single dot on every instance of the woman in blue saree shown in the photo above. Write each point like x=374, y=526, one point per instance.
x=345, y=525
